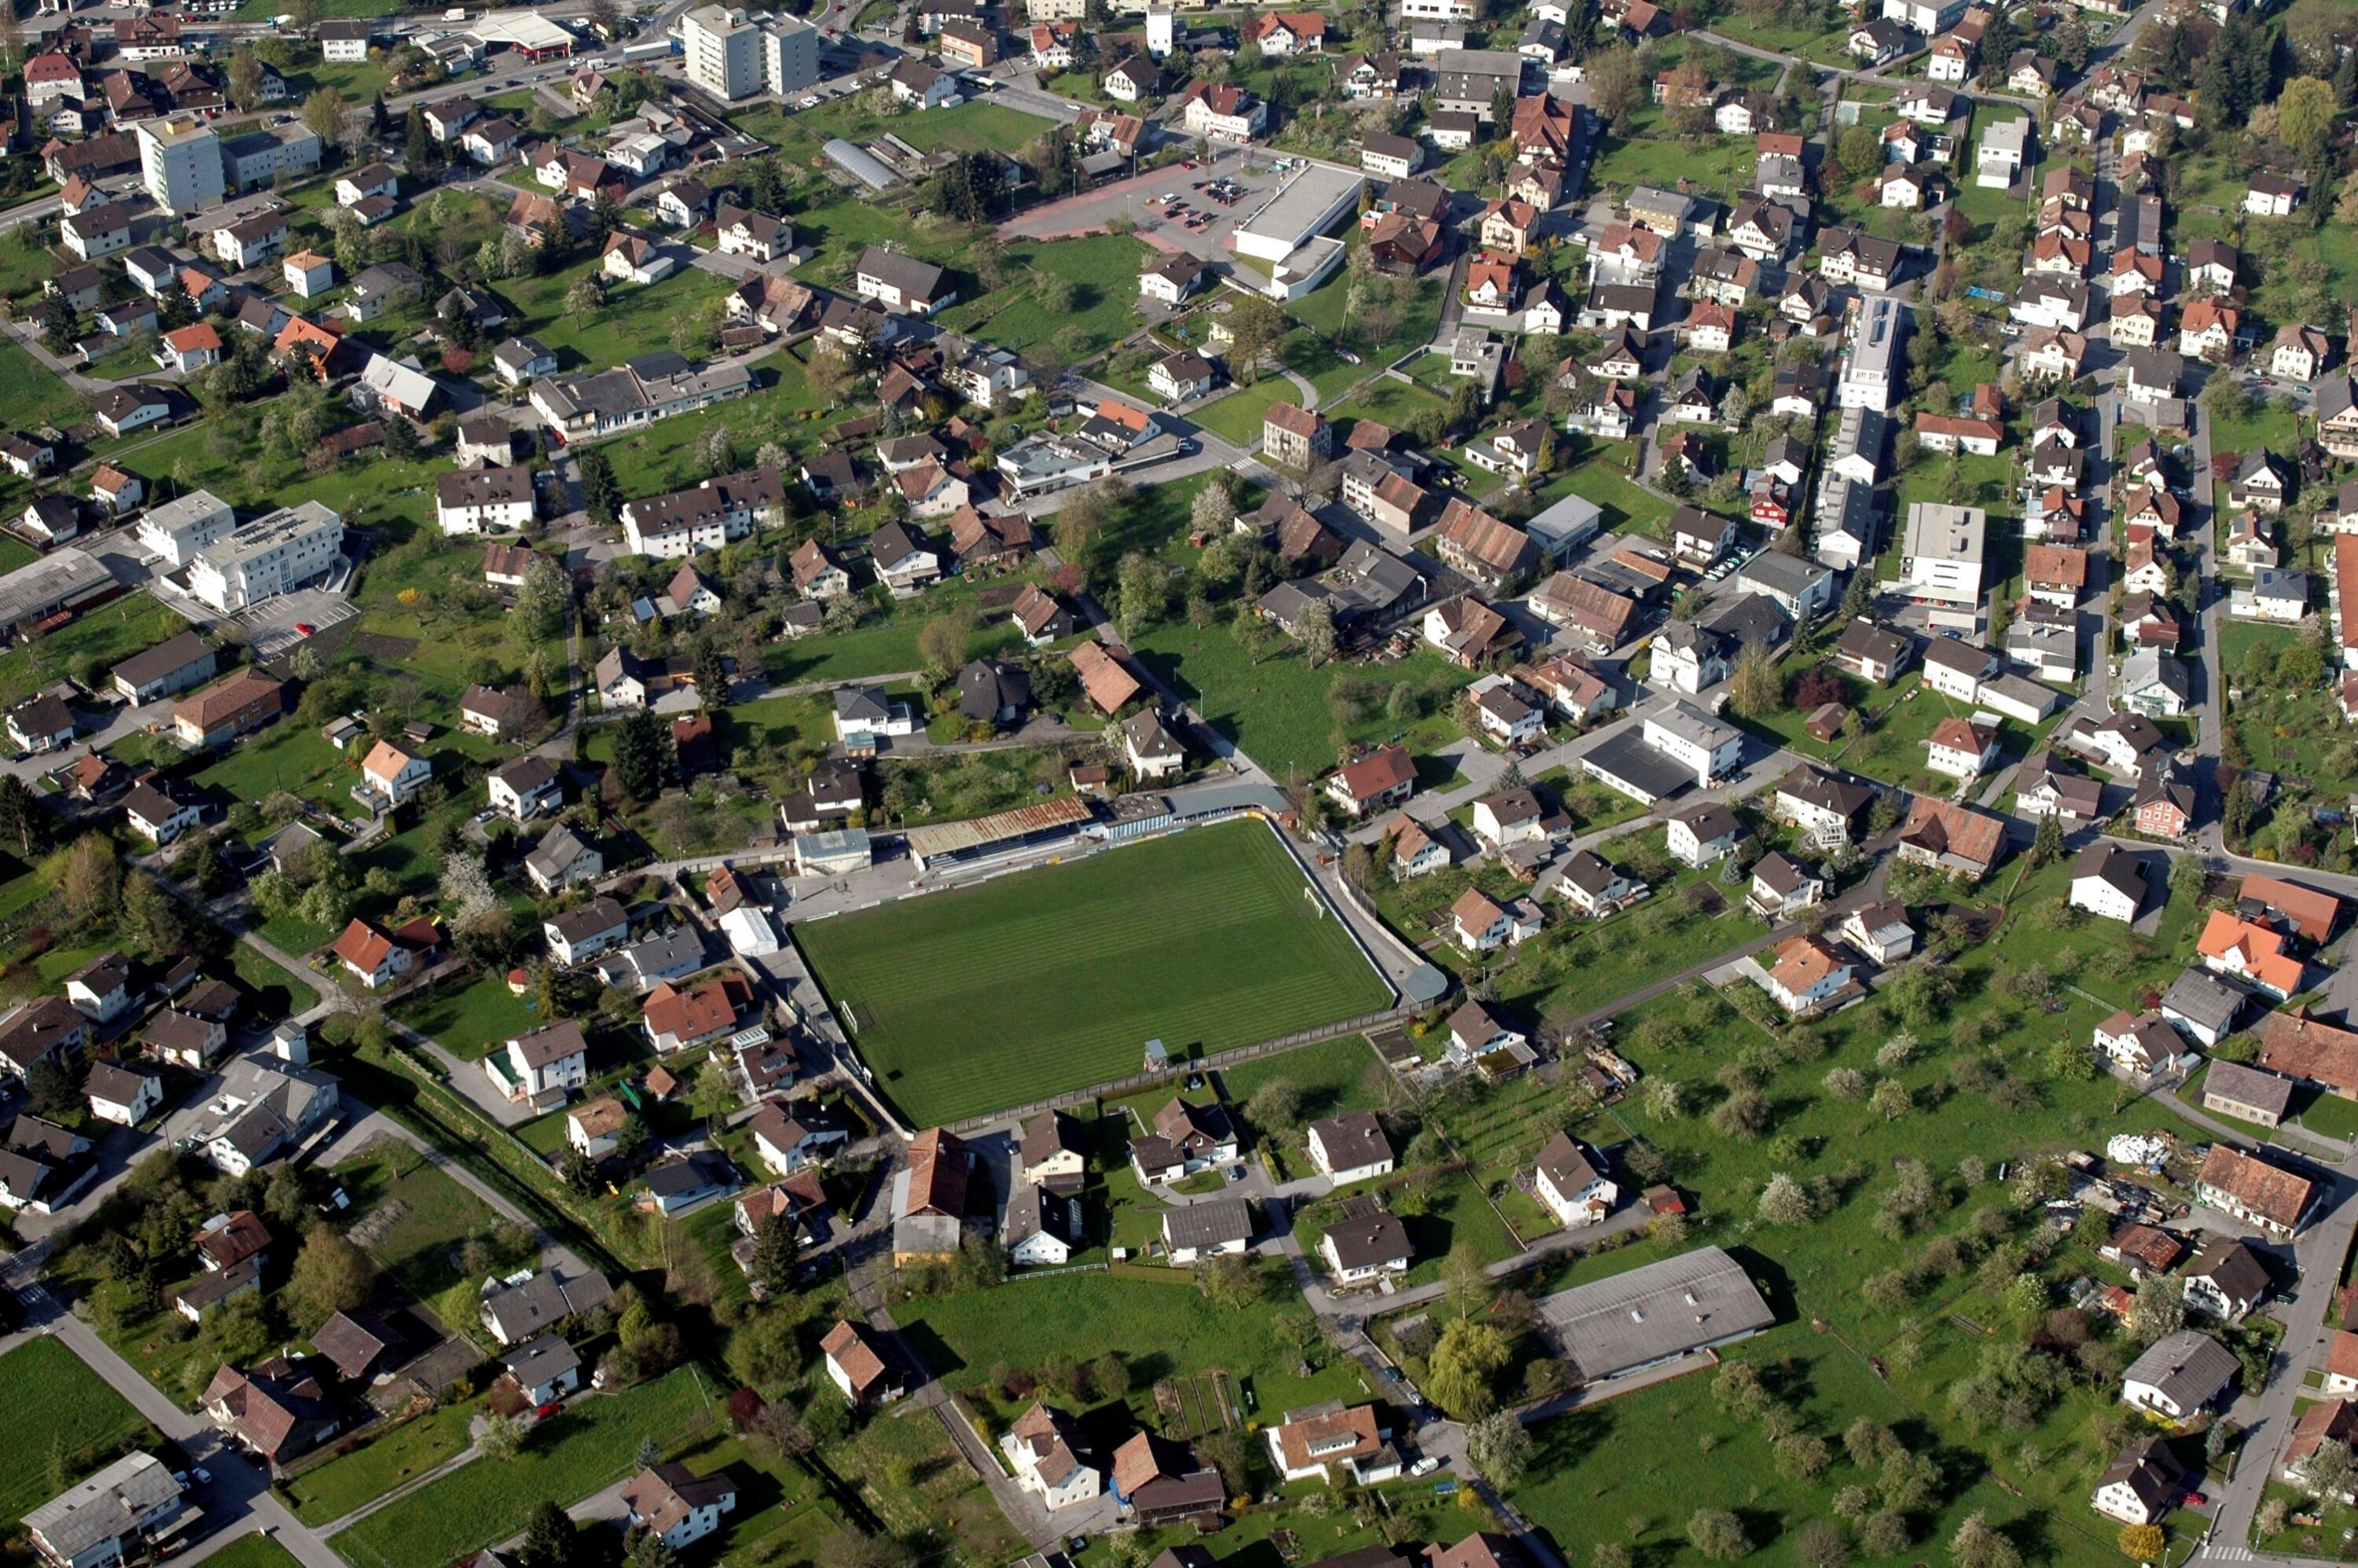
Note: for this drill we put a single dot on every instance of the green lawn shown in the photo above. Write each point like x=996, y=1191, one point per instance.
x=636, y=319
x=432, y=1218
x=1333, y=1077
x=409, y=1450
x=1292, y=716
x=30, y=396
x=1239, y=414
x=887, y=645
x=256, y=1550
x=1636, y=1466
x=568, y=1457
x=1388, y=401
x=1604, y=478
x=1995, y=1076
x=977, y=126
x=62, y=1417
x=1163, y=1328
x=468, y=1020
x=1643, y=152
x=290, y=755
x=86, y=648
x=1055, y=979
x=1101, y=273
x=278, y=993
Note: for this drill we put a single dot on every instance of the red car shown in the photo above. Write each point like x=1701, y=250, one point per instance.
x=550, y=1409
x=304, y=628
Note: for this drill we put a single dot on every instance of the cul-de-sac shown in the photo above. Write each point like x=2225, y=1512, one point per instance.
x=1160, y=783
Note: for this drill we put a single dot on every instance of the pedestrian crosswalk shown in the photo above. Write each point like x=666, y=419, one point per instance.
x=2222, y=1553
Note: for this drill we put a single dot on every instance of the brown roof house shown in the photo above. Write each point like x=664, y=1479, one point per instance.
x=1384, y=778
x=1187, y=1138
x=1311, y=1443
x=219, y=714
x=2299, y=1046
x=1295, y=437
x=856, y=1364
x=930, y=1197
x=675, y=1504
x=2253, y=1190
x=1160, y=1482
x=1051, y=1458
x=277, y=1411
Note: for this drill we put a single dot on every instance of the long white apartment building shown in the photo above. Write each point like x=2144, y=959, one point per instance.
x=1874, y=375
x=274, y=554
x=1941, y=563
x=703, y=516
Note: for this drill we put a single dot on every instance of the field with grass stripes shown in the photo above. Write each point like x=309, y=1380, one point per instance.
x=1052, y=980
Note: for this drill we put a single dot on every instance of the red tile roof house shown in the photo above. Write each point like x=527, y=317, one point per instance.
x=2312, y=912
x=2299, y=1046
x=1312, y=1443
x=370, y=956
x=1161, y=1482
x=855, y=1362
x=228, y=1240
x=1384, y=778
x=2326, y=1420
x=676, y=1504
x=680, y=1020
x=2249, y=1188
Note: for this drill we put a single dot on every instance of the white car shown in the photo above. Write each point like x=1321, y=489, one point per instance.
x=1424, y=1466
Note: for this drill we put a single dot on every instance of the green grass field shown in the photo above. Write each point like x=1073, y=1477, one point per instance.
x=587, y=1447
x=409, y=1450
x=256, y=1551
x=1239, y=414
x=468, y=1020
x=1053, y=979
x=57, y=1407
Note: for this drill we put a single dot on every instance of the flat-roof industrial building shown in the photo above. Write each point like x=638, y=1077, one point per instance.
x=1613, y=1327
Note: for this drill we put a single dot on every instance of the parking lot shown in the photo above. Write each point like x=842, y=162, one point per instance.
x=275, y=626
x=1139, y=199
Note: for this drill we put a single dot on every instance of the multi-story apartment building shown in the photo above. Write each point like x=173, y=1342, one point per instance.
x=704, y=517
x=274, y=554
x=1873, y=375
x=732, y=55
x=180, y=163
x=1941, y=562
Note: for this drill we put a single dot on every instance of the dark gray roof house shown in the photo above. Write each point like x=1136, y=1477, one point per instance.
x=2207, y=1003
x=993, y=691
x=1198, y=1226
x=515, y=1313
x=2185, y=1371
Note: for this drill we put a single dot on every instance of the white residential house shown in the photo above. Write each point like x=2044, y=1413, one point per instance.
x=541, y=1066
x=2108, y=882
x=1575, y=1187
x=1349, y=1147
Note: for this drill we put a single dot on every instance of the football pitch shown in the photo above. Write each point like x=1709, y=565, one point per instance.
x=1047, y=980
